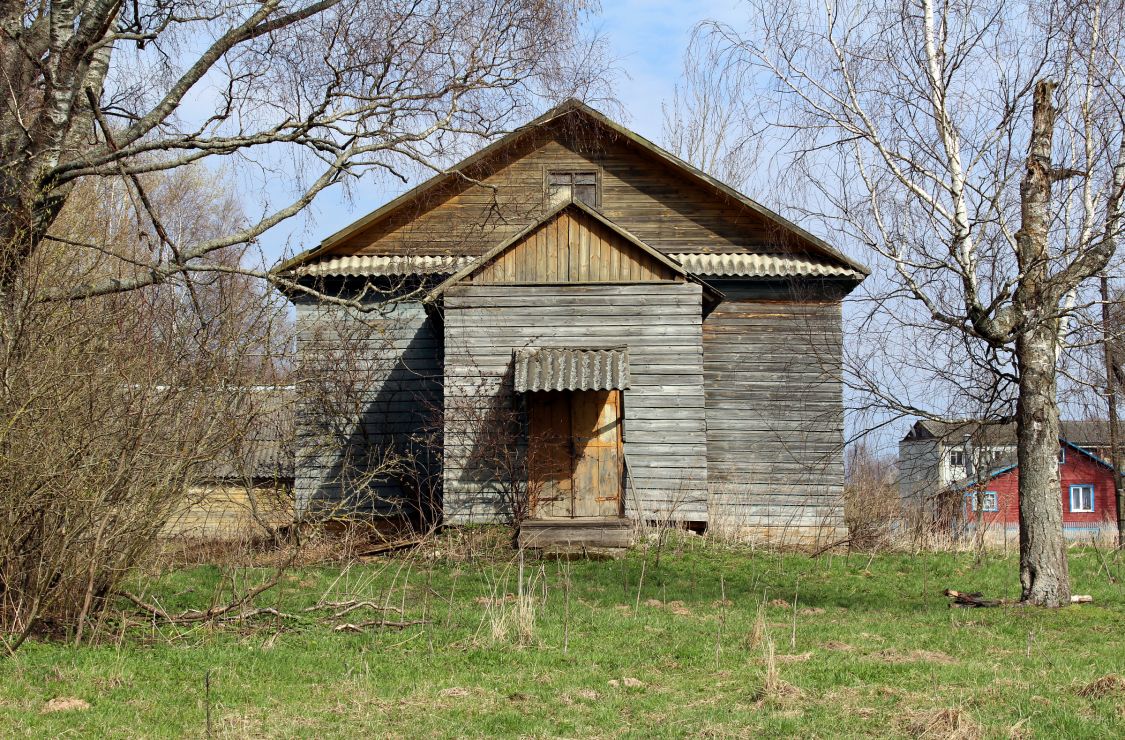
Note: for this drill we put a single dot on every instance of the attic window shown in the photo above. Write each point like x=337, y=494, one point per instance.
x=574, y=185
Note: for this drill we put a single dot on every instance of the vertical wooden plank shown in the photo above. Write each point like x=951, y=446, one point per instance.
x=562, y=224
x=574, y=250
x=584, y=255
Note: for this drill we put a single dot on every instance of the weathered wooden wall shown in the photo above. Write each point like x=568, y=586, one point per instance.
x=229, y=511
x=369, y=410
x=774, y=412
x=640, y=194
x=665, y=425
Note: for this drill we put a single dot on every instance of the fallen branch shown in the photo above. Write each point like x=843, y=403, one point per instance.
x=349, y=627
x=386, y=547
x=346, y=607
x=203, y=615
x=826, y=548
x=977, y=600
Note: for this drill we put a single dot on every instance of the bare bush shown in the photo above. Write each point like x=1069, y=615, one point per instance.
x=871, y=500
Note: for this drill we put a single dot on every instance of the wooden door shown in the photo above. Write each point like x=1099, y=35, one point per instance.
x=596, y=427
x=549, y=455
x=575, y=464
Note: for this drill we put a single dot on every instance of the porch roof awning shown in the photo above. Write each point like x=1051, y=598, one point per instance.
x=571, y=369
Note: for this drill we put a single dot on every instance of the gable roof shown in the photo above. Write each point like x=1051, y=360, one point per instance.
x=598, y=120
x=1008, y=464
x=1083, y=433
x=710, y=295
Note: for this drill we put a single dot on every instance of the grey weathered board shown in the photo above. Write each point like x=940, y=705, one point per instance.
x=371, y=398
x=485, y=324
x=774, y=410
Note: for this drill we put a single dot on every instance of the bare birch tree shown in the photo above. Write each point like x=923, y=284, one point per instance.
x=309, y=92
x=976, y=151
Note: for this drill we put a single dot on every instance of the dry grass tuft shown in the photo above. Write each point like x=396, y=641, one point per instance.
x=893, y=656
x=948, y=724
x=1108, y=685
x=64, y=704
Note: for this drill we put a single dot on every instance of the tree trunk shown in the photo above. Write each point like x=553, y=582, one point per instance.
x=1044, y=575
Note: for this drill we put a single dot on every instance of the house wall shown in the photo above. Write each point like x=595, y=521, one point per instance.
x=637, y=192
x=774, y=411
x=368, y=409
x=1078, y=469
x=231, y=511
x=665, y=425
x=919, y=471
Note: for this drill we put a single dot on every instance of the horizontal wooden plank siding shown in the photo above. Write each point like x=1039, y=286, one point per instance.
x=664, y=407
x=774, y=414
x=369, y=411
x=638, y=193
x=229, y=511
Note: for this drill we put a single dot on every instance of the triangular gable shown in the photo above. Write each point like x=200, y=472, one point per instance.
x=1012, y=466
x=572, y=243
x=469, y=168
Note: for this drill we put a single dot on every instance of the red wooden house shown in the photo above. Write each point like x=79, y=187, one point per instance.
x=1086, y=487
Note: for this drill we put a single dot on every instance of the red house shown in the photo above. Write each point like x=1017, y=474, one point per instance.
x=1088, y=498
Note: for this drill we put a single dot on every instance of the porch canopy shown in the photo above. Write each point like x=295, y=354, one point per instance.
x=571, y=369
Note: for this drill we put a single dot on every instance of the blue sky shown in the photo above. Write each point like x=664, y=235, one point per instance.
x=647, y=38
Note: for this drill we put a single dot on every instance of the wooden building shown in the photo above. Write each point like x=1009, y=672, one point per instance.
x=574, y=328
x=1089, y=501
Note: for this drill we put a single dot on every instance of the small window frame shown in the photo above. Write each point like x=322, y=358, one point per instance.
x=550, y=172
x=990, y=501
x=957, y=458
x=1076, y=498
x=1062, y=454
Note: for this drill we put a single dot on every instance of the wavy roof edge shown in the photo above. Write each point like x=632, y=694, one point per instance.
x=718, y=265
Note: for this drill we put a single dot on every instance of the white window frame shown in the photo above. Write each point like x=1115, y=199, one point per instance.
x=953, y=462
x=1076, y=497
x=985, y=497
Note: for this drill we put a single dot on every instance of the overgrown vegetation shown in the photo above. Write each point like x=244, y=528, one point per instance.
x=710, y=640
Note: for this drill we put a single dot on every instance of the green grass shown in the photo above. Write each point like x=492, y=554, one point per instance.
x=878, y=653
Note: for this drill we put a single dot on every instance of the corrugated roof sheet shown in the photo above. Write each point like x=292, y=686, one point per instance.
x=374, y=264
x=745, y=264
x=728, y=265
x=571, y=369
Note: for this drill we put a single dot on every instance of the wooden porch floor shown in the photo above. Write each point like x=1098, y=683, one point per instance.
x=577, y=532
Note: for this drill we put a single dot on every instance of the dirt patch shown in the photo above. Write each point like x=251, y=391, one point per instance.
x=628, y=682
x=893, y=656
x=1108, y=685
x=797, y=658
x=655, y=603
x=949, y=724
x=779, y=603
x=587, y=694
x=811, y=610
x=678, y=608
x=65, y=704
x=454, y=691
x=840, y=647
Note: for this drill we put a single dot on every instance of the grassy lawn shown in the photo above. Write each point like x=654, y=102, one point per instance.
x=877, y=652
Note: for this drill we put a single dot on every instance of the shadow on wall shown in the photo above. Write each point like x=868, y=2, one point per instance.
x=380, y=433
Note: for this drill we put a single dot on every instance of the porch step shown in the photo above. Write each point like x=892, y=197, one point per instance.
x=586, y=532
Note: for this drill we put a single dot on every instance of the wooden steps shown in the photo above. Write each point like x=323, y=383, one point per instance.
x=579, y=532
